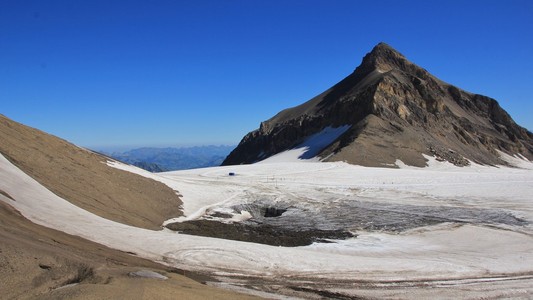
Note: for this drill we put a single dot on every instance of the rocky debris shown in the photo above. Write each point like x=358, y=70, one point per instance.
x=397, y=110
x=258, y=233
x=45, y=266
x=442, y=154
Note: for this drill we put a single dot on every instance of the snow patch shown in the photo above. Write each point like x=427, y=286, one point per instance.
x=147, y=274
x=309, y=149
x=242, y=216
x=518, y=160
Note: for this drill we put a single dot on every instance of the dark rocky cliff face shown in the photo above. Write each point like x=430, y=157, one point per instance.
x=396, y=110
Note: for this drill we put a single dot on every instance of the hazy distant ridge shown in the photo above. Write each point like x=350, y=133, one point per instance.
x=170, y=159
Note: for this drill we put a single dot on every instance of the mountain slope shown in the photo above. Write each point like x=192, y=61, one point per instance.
x=83, y=178
x=395, y=110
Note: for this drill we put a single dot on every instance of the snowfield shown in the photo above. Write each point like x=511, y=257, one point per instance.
x=483, y=248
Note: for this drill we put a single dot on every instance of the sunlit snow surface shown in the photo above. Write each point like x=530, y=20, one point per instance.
x=461, y=258
x=308, y=150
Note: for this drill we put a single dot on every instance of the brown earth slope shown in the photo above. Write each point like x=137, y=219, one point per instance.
x=40, y=263
x=397, y=110
x=83, y=178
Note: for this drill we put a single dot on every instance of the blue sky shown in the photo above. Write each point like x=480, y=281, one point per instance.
x=168, y=73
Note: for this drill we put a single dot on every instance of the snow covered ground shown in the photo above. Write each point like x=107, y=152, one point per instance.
x=460, y=258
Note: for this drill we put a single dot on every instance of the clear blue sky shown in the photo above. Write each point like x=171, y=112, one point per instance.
x=159, y=73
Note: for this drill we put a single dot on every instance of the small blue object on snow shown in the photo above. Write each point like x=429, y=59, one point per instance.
x=231, y=174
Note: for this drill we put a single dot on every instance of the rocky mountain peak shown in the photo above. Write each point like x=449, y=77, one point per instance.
x=396, y=110
x=382, y=58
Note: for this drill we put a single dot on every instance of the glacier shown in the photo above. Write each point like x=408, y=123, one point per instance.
x=461, y=256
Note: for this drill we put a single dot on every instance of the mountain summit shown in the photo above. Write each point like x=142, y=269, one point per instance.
x=390, y=109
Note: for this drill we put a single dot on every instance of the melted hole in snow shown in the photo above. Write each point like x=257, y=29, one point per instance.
x=272, y=212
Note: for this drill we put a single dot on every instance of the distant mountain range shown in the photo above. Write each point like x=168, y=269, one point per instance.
x=171, y=159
